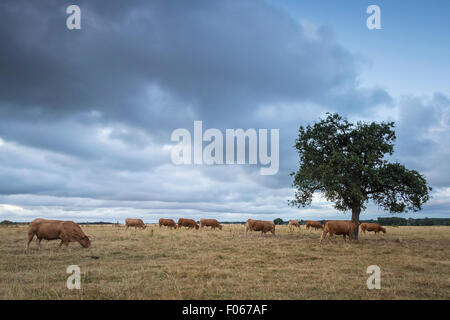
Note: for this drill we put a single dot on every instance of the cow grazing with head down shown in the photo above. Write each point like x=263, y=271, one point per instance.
x=338, y=227
x=375, y=227
x=188, y=223
x=168, y=223
x=213, y=223
x=260, y=225
x=293, y=224
x=314, y=224
x=66, y=231
x=136, y=223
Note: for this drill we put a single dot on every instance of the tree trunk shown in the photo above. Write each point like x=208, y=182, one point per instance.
x=355, y=218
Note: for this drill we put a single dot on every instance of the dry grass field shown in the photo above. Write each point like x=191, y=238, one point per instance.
x=204, y=264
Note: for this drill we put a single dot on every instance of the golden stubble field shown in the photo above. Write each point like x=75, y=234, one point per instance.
x=205, y=264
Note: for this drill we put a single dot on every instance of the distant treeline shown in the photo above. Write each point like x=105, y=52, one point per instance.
x=392, y=221
x=100, y=222
x=414, y=222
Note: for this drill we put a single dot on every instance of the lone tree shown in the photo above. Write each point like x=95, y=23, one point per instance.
x=346, y=163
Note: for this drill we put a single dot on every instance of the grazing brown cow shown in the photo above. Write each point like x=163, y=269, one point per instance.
x=314, y=224
x=213, y=223
x=188, y=223
x=260, y=225
x=339, y=227
x=293, y=224
x=168, y=223
x=372, y=227
x=66, y=231
x=136, y=223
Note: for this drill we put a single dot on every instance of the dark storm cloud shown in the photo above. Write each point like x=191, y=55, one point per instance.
x=218, y=56
x=159, y=65
x=423, y=132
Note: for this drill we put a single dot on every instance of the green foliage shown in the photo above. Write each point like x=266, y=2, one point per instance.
x=346, y=163
x=6, y=222
x=278, y=221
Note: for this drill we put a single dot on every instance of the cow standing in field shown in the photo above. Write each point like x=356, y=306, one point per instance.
x=136, y=223
x=188, y=223
x=314, y=224
x=260, y=225
x=213, y=223
x=372, y=227
x=168, y=223
x=339, y=227
x=293, y=224
x=66, y=231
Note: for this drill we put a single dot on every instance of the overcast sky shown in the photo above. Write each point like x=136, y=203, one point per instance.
x=86, y=115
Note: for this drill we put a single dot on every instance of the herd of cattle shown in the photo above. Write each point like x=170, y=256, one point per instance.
x=69, y=231
x=188, y=223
